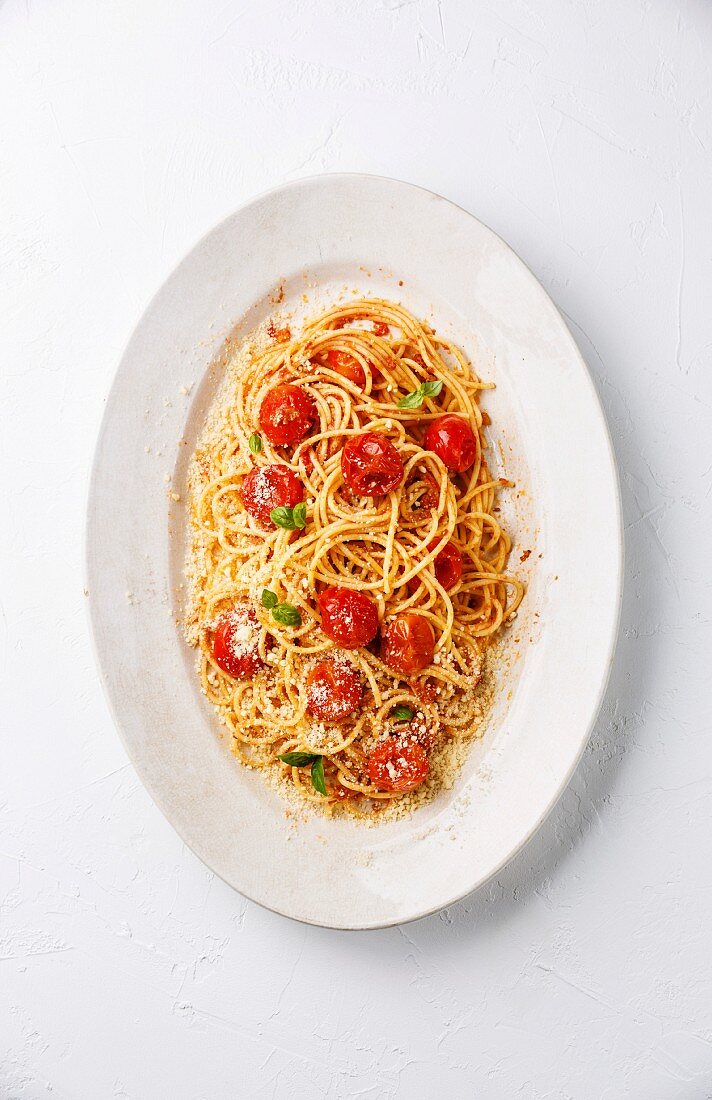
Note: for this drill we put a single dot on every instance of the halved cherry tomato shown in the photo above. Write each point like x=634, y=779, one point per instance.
x=333, y=690
x=398, y=764
x=448, y=564
x=452, y=440
x=287, y=414
x=408, y=644
x=236, y=642
x=269, y=487
x=347, y=366
x=348, y=617
x=371, y=465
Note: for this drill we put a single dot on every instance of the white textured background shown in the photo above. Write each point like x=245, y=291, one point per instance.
x=580, y=130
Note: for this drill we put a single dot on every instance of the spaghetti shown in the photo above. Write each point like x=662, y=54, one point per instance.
x=347, y=568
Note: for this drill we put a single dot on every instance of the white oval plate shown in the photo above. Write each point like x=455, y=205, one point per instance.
x=323, y=237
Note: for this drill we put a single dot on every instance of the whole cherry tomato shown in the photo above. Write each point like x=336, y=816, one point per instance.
x=448, y=564
x=408, y=643
x=287, y=414
x=269, y=487
x=347, y=366
x=452, y=439
x=348, y=617
x=398, y=764
x=236, y=642
x=371, y=465
x=333, y=690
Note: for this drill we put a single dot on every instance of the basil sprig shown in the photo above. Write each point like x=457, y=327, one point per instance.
x=415, y=399
x=301, y=759
x=317, y=775
x=402, y=714
x=285, y=613
x=298, y=759
x=255, y=443
x=290, y=518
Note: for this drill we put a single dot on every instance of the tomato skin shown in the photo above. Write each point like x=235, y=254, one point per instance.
x=348, y=617
x=447, y=565
x=269, y=487
x=408, y=762
x=287, y=414
x=347, y=366
x=452, y=439
x=371, y=465
x=239, y=657
x=408, y=644
x=333, y=690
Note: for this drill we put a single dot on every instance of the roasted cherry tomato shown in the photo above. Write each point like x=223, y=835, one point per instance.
x=452, y=440
x=236, y=642
x=398, y=764
x=448, y=564
x=348, y=617
x=408, y=644
x=287, y=414
x=270, y=487
x=371, y=465
x=333, y=690
x=347, y=366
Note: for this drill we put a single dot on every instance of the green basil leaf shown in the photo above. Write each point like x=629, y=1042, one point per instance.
x=402, y=714
x=298, y=759
x=283, y=517
x=317, y=775
x=415, y=399
x=286, y=614
x=255, y=443
x=290, y=518
x=269, y=599
x=411, y=400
